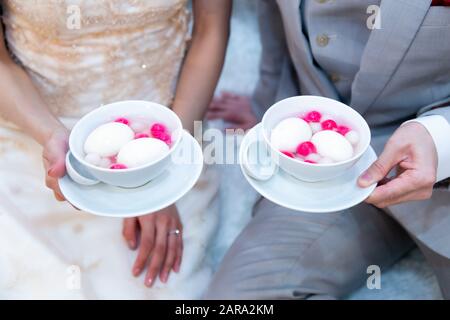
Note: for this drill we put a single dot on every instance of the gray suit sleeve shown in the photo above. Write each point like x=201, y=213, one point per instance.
x=439, y=129
x=441, y=108
x=273, y=56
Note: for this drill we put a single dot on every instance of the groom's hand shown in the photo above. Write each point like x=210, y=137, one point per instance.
x=158, y=245
x=412, y=153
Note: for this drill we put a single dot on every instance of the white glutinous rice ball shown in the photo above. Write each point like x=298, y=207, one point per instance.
x=332, y=145
x=315, y=127
x=107, y=139
x=352, y=137
x=93, y=158
x=289, y=133
x=105, y=163
x=142, y=151
x=139, y=126
x=325, y=161
x=314, y=157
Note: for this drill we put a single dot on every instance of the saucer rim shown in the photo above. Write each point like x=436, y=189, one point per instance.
x=254, y=183
x=63, y=184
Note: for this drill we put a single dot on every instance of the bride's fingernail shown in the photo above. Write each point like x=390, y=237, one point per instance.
x=149, y=282
x=136, y=271
x=365, y=178
x=164, y=277
x=131, y=244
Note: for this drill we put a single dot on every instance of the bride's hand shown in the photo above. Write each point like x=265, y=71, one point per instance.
x=234, y=109
x=155, y=236
x=54, y=155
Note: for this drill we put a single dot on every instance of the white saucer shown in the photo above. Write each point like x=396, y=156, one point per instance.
x=166, y=189
x=328, y=196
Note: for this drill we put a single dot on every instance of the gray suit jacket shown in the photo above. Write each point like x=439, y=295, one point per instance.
x=404, y=72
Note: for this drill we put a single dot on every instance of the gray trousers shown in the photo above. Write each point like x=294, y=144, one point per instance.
x=284, y=254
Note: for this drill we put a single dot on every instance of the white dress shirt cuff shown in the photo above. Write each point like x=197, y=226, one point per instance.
x=439, y=129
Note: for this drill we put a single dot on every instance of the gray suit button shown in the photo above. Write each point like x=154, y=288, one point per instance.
x=335, y=78
x=322, y=40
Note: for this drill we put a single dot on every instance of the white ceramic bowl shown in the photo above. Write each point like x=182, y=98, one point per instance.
x=132, y=177
x=343, y=114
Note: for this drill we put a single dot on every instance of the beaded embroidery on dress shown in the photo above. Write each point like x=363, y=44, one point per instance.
x=122, y=50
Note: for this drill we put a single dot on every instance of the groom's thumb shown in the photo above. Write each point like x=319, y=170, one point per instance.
x=379, y=169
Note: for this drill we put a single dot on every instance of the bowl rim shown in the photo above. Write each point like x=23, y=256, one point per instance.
x=316, y=165
x=144, y=103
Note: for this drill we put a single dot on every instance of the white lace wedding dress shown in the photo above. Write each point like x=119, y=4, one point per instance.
x=123, y=49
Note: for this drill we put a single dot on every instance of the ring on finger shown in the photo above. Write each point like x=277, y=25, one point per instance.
x=175, y=232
